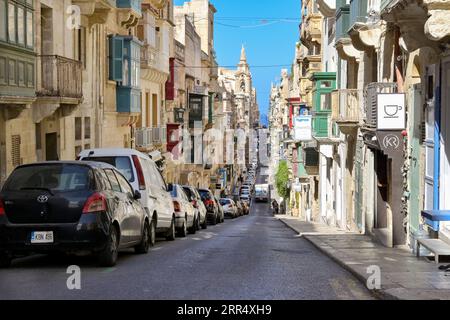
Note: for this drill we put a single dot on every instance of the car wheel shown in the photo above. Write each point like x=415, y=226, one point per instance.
x=146, y=240
x=5, y=260
x=193, y=229
x=198, y=225
x=108, y=257
x=182, y=232
x=214, y=220
x=205, y=224
x=171, y=234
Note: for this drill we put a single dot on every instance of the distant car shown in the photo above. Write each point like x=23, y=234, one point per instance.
x=246, y=206
x=185, y=219
x=229, y=207
x=245, y=198
x=262, y=192
x=143, y=174
x=240, y=208
x=71, y=207
x=213, y=214
x=221, y=212
x=196, y=200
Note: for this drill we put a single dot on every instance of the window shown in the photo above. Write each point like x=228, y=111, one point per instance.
x=123, y=164
x=15, y=150
x=87, y=128
x=3, y=19
x=11, y=23
x=30, y=31
x=56, y=177
x=20, y=26
x=78, y=128
x=158, y=178
x=325, y=101
x=124, y=61
x=124, y=185
x=115, y=186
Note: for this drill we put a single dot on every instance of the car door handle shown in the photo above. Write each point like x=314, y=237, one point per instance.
x=153, y=197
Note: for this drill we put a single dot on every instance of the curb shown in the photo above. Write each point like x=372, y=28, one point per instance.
x=379, y=294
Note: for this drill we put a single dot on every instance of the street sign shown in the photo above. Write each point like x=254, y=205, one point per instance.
x=391, y=111
x=303, y=128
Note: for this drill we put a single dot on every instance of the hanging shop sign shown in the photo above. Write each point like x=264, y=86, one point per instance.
x=303, y=128
x=391, y=143
x=391, y=111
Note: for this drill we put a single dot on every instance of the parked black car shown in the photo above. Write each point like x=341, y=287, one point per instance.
x=213, y=214
x=71, y=207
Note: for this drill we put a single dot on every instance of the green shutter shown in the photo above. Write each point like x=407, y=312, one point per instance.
x=116, y=58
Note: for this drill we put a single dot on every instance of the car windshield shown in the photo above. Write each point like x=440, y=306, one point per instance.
x=51, y=177
x=205, y=195
x=173, y=191
x=224, y=202
x=123, y=164
x=188, y=193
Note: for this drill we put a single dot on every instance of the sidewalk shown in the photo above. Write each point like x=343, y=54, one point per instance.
x=403, y=276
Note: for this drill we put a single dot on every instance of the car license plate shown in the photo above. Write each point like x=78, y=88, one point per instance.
x=42, y=237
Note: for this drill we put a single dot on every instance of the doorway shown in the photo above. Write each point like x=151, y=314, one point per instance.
x=51, y=146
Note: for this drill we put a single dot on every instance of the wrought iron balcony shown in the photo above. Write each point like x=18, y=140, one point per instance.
x=346, y=109
x=60, y=77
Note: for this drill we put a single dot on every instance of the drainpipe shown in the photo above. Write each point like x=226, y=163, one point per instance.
x=437, y=144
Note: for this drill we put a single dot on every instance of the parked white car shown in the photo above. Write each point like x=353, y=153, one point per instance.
x=143, y=175
x=229, y=207
x=184, y=211
x=196, y=200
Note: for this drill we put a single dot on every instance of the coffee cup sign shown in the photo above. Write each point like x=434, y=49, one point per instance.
x=391, y=111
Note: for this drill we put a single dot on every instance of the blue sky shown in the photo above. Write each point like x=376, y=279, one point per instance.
x=270, y=42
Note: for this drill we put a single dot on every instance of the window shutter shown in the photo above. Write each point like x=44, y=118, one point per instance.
x=116, y=59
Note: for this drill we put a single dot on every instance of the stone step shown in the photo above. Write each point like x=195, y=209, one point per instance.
x=437, y=246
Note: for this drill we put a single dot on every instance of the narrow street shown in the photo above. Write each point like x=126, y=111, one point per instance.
x=252, y=257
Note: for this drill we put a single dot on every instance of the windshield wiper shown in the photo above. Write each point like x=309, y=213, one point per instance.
x=38, y=188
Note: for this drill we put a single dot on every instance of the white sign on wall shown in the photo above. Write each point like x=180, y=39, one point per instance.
x=303, y=128
x=391, y=111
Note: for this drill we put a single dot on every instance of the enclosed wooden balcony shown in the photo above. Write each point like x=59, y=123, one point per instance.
x=311, y=29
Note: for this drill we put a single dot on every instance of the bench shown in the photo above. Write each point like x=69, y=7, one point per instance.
x=437, y=246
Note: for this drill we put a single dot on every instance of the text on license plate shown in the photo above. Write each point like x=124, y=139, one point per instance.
x=42, y=237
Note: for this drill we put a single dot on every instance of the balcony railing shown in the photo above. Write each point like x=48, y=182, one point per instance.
x=346, y=105
x=61, y=77
x=371, y=99
x=346, y=112
x=148, y=137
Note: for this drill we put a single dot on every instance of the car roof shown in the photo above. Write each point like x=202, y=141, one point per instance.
x=92, y=164
x=104, y=152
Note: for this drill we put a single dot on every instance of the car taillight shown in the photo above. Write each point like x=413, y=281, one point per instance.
x=140, y=172
x=176, y=206
x=95, y=203
x=194, y=203
x=2, y=208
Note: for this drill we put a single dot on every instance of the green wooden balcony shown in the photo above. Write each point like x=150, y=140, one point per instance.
x=320, y=124
x=342, y=22
x=358, y=12
x=130, y=4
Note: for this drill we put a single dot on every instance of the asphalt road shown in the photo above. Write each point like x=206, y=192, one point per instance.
x=252, y=257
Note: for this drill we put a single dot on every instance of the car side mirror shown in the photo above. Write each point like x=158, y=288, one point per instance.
x=137, y=195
